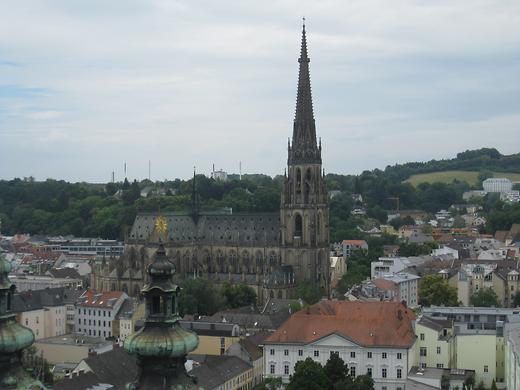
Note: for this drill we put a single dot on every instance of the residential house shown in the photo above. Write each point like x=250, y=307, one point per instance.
x=96, y=311
x=249, y=349
x=373, y=338
x=42, y=311
x=70, y=348
x=353, y=245
x=400, y=287
x=512, y=360
x=224, y=373
x=477, y=339
x=214, y=337
x=434, y=346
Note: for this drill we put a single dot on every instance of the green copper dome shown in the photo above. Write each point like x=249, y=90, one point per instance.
x=14, y=337
x=162, y=341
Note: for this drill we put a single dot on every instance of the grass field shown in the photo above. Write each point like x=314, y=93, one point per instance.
x=471, y=177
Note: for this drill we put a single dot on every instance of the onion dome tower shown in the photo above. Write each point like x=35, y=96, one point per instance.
x=14, y=338
x=162, y=344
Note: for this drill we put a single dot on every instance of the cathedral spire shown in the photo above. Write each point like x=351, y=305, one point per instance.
x=304, y=146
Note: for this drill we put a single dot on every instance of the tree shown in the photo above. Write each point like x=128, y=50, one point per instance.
x=485, y=297
x=435, y=290
x=308, y=375
x=273, y=383
x=360, y=382
x=199, y=297
x=336, y=369
x=238, y=295
x=493, y=385
x=309, y=292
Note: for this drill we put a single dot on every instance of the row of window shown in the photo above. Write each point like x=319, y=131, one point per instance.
x=93, y=312
x=384, y=355
x=93, y=322
x=352, y=371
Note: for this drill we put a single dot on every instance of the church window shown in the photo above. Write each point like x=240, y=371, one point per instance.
x=298, y=225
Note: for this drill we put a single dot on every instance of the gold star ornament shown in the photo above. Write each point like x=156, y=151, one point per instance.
x=161, y=225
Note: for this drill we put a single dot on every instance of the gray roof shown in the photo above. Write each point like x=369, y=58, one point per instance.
x=37, y=299
x=214, y=371
x=212, y=228
x=246, y=317
x=206, y=328
x=88, y=381
x=435, y=323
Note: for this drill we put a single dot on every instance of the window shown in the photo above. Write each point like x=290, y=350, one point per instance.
x=383, y=355
x=440, y=365
x=272, y=351
x=353, y=371
x=422, y=351
x=369, y=355
x=486, y=369
x=399, y=355
x=421, y=336
x=37, y=319
x=383, y=372
x=286, y=369
x=384, y=388
x=271, y=369
x=399, y=373
x=316, y=353
x=286, y=352
x=300, y=352
x=423, y=365
x=352, y=354
x=369, y=371
x=438, y=350
x=398, y=388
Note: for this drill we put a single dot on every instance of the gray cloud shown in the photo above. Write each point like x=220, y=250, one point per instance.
x=194, y=83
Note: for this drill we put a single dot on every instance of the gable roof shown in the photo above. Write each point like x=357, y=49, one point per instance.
x=91, y=298
x=368, y=324
x=116, y=367
x=217, y=370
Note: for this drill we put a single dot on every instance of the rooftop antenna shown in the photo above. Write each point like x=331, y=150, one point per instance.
x=150, y=170
x=125, y=169
x=113, y=177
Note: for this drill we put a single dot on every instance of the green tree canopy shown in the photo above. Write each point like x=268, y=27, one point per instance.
x=435, y=290
x=309, y=292
x=238, y=295
x=336, y=369
x=485, y=297
x=308, y=375
x=199, y=296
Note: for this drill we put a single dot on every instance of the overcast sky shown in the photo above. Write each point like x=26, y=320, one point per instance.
x=88, y=85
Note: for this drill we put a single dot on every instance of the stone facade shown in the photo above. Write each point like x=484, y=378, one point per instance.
x=271, y=252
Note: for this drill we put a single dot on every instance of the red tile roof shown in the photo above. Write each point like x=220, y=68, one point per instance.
x=384, y=284
x=368, y=324
x=354, y=242
x=91, y=298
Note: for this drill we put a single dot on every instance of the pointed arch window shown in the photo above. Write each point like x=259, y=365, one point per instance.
x=298, y=225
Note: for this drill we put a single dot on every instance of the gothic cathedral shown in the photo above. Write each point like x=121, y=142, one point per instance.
x=270, y=252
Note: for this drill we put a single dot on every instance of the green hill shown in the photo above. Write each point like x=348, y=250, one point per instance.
x=470, y=177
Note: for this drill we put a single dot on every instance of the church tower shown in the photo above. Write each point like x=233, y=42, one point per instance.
x=304, y=212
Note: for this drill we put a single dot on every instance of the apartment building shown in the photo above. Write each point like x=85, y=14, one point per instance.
x=96, y=311
x=477, y=339
x=400, y=287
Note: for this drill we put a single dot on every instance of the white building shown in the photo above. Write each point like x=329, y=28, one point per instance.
x=400, y=287
x=392, y=265
x=219, y=175
x=96, y=311
x=497, y=184
x=373, y=338
x=512, y=360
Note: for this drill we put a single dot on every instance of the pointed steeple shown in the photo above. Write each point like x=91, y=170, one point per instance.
x=304, y=147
